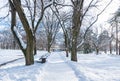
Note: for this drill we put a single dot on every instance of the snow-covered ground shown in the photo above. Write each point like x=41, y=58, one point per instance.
x=90, y=67
x=8, y=55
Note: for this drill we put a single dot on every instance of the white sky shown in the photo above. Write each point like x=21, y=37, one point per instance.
x=107, y=14
x=1, y=28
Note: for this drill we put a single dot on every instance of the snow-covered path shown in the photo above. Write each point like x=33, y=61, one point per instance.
x=56, y=69
x=90, y=67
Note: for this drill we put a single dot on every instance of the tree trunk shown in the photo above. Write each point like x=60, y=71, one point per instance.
x=34, y=44
x=119, y=47
x=66, y=44
x=116, y=38
x=48, y=48
x=110, y=47
x=97, y=51
x=76, y=24
x=28, y=51
x=29, y=56
x=74, y=50
x=67, y=55
x=49, y=43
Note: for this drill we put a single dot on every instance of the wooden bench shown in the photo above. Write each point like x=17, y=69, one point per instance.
x=43, y=58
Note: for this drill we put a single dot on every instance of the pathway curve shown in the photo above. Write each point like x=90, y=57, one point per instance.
x=56, y=69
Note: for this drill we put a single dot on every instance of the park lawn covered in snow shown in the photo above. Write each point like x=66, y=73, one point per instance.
x=90, y=67
x=97, y=67
x=8, y=55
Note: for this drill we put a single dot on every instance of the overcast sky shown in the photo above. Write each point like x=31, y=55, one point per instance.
x=107, y=14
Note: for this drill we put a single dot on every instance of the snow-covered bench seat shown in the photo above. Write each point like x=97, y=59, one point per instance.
x=43, y=58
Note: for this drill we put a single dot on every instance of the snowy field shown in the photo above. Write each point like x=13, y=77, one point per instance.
x=90, y=67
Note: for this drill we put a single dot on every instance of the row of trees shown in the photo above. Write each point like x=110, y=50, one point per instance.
x=50, y=17
x=115, y=25
x=94, y=41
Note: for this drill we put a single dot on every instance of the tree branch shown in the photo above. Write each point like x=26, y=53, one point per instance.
x=95, y=20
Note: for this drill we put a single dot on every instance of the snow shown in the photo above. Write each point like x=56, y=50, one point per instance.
x=57, y=70
x=20, y=38
x=48, y=3
x=90, y=67
x=79, y=45
x=8, y=55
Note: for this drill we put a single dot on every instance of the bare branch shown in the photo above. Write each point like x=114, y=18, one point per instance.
x=42, y=13
x=97, y=17
x=4, y=6
x=62, y=4
x=93, y=21
x=87, y=9
x=2, y=18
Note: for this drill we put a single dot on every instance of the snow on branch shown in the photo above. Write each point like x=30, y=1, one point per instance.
x=94, y=20
x=20, y=38
x=79, y=45
x=48, y=4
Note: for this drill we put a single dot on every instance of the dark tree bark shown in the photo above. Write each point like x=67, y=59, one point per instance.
x=36, y=19
x=66, y=46
x=51, y=29
x=116, y=37
x=49, y=40
x=34, y=45
x=28, y=51
x=65, y=32
x=76, y=21
x=110, y=47
x=119, y=47
x=97, y=51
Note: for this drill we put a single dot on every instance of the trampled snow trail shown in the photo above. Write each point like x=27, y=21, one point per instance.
x=56, y=69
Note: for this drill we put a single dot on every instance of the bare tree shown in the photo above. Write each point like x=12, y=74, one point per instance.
x=36, y=12
x=65, y=23
x=115, y=23
x=27, y=48
x=78, y=16
x=117, y=17
x=101, y=41
x=111, y=36
x=51, y=25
